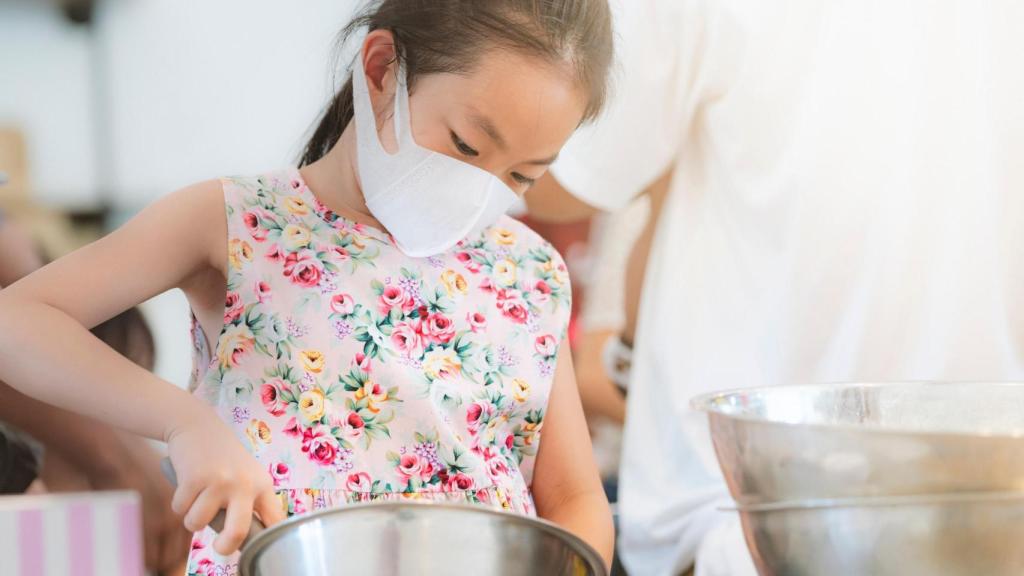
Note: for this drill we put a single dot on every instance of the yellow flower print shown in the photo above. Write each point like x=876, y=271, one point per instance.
x=258, y=432
x=239, y=251
x=454, y=282
x=442, y=364
x=235, y=343
x=558, y=276
x=505, y=272
x=296, y=237
x=376, y=394
x=503, y=237
x=521, y=390
x=296, y=205
x=311, y=404
x=530, y=430
x=312, y=361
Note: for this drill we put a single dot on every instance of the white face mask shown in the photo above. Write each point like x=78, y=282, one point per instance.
x=427, y=201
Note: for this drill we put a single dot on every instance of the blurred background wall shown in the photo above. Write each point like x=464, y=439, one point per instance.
x=147, y=96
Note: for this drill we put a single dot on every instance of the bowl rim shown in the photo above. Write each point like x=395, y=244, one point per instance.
x=705, y=403
x=878, y=501
x=252, y=550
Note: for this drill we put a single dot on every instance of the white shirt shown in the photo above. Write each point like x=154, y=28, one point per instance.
x=848, y=204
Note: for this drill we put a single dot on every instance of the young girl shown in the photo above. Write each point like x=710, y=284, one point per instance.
x=387, y=333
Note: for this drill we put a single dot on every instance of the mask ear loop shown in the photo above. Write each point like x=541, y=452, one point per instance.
x=366, y=119
x=403, y=118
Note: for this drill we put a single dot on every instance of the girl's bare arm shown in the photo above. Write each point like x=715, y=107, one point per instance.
x=566, y=484
x=48, y=353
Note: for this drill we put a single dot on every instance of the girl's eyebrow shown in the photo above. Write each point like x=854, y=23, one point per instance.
x=544, y=161
x=487, y=127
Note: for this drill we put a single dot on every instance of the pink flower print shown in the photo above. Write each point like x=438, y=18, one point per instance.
x=263, y=293
x=407, y=340
x=352, y=427
x=497, y=467
x=270, y=394
x=396, y=297
x=459, y=481
x=362, y=361
x=280, y=472
x=252, y=222
x=274, y=253
x=233, y=307
x=477, y=321
x=478, y=413
x=320, y=445
x=343, y=304
x=440, y=329
x=410, y=465
x=359, y=482
x=303, y=268
x=467, y=260
x=546, y=345
x=292, y=428
x=542, y=292
x=512, y=306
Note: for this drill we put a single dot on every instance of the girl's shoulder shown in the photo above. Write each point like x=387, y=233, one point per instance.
x=272, y=185
x=514, y=237
x=524, y=272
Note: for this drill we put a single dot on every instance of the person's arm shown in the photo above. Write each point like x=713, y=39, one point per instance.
x=48, y=353
x=549, y=201
x=566, y=485
x=18, y=256
x=636, y=269
x=600, y=397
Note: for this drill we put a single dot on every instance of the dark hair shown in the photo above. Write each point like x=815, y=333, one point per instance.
x=435, y=36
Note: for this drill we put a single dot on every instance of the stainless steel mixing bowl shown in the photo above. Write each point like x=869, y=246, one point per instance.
x=411, y=538
x=961, y=535
x=864, y=440
x=417, y=539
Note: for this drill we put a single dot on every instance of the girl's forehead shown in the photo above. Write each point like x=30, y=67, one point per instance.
x=511, y=99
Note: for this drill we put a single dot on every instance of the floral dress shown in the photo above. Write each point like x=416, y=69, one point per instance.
x=355, y=373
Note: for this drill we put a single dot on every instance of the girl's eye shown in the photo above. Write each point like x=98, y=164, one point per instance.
x=462, y=147
x=523, y=179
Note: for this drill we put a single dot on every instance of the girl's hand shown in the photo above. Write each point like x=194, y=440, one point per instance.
x=215, y=472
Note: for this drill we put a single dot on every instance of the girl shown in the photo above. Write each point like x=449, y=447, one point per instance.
x=387, y=333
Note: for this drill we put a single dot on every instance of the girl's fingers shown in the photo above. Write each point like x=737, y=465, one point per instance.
x=236, y=527
x=268, y=506
x=203, y=510
x=184, y=496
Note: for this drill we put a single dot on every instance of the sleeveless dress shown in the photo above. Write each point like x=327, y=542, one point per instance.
x=355, y=373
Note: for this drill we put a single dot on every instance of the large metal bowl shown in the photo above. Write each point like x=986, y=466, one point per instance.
x=963, y=535
x=867, y=440
x=417, y=539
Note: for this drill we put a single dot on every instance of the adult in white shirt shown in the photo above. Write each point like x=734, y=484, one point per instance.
x=847, y=204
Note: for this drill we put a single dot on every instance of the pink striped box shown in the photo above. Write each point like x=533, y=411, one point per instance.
x=89, y=534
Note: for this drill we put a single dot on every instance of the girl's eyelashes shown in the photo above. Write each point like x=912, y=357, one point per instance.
x=462, y=147
x=467, y=150
x=525, y=180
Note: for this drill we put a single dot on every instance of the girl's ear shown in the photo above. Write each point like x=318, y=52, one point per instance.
x=380, y=62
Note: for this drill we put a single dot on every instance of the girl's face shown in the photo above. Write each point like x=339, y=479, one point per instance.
x=509, y=116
